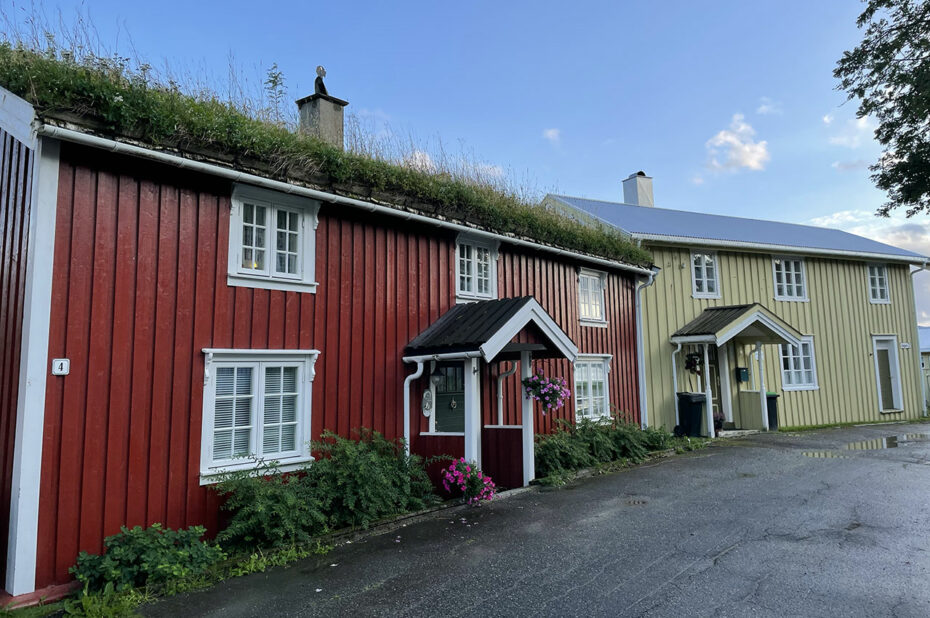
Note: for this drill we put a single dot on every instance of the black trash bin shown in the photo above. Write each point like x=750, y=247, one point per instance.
x=772, y=407
x=690, y=410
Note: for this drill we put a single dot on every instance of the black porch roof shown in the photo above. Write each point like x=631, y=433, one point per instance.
x=466, y=327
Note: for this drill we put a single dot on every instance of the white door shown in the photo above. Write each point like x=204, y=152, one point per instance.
x=887, y=373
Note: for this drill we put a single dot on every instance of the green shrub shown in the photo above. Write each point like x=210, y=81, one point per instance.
x=148, y=557
x=359, y=482
x=657, y=439
x=270, y=510
x=105, y=603
x=351, y=483
x=587, y=444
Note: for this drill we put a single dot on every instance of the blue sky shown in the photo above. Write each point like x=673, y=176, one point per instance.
x=730, y=106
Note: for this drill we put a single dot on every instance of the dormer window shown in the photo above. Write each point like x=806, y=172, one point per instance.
x=272, y=240
x=475, y=268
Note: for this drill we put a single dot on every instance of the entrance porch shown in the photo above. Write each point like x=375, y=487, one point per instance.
x=454, y=353
x=709, y=342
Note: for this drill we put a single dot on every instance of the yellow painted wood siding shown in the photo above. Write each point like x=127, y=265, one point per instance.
x=838, y=314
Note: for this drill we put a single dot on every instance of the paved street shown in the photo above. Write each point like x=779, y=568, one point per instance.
x=752, y=526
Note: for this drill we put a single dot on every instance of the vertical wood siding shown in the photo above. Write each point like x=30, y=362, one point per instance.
x=838, y=315
x=15, y=191
x=140, y=289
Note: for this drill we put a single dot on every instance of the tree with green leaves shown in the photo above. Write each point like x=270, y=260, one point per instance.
x=889, y=73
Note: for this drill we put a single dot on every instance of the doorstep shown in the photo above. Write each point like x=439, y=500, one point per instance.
x=737, y=433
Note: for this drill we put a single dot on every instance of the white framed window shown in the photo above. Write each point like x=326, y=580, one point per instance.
x=475, y=268
x=705, y=275
x=256, y=409
x=790, y=278
x=798, y=366
x=878, y=285
x=592, y=399
x=272, y=240
x=591, y=306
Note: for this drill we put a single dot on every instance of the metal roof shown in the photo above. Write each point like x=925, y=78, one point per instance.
x=465, y=327
x=681, y=225
x=711, y=320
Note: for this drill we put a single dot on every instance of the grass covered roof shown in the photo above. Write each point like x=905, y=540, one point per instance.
x=107, y=98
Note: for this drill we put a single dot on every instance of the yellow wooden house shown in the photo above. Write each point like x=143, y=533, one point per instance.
x=817, y=325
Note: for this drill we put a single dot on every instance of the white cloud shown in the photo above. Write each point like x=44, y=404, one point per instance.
x=848, y=166
x=912, y=234
x=697, y=179
x=553, y=135
x=828, y=119
x=420, y=160
x=733, y=148
x=855, y=133
x=769, y=106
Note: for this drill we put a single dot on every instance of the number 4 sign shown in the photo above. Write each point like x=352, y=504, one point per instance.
x=61, y=366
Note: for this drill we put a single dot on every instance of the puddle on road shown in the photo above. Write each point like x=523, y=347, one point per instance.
x=889, y=442
x=875, y=444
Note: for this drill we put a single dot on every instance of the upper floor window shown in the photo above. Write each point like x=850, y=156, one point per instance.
x=475, y=268
x=256, y=409
x=591, y=285
x=798, y=368
x=272, y=240
x=591, y=397
x=878, y=284
x=705, y=281
x=790, y=278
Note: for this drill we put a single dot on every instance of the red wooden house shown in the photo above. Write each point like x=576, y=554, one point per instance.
x=166, y=316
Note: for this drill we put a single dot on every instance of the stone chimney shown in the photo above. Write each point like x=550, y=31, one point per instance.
x=321, y=116
x=637, y=190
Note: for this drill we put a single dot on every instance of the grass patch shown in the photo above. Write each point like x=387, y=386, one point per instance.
x=108, y=96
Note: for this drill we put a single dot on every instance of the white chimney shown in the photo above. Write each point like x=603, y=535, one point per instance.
x=637, y=190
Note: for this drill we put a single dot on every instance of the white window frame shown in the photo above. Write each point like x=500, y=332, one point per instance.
x=882, y=275
x=605, y=360
x=305, y=360
x=803, y=271
x=785, y=378
x=307, y=209
x=894, y=353
x=694, y=291
x=475, y=243
x=601, y=278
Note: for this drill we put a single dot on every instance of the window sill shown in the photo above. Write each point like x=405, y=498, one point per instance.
x=446, y=434
x=265, y=283
x=879, y=302
x=705, y=296
x=593, y=323
x=212, y=476
x=792, y=299
x=469, y=298
x=891, y=411
x=813, y=387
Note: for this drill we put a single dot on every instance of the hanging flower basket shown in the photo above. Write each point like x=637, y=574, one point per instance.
x=551, y=392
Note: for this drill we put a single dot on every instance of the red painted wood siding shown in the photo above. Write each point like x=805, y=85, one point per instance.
x=139, y=290
x=15, y=192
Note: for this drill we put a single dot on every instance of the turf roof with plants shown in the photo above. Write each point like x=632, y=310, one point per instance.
x=104, y=95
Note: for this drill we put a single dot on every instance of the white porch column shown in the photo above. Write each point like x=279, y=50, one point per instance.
x=723, y=362
x=529, y=456
x=708, y=395
x=675, y=383
x=472, y=411
x=762, y=399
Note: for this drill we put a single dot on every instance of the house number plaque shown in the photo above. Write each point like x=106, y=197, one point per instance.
x=61, y=366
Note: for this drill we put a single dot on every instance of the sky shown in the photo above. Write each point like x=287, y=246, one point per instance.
x=730, y=106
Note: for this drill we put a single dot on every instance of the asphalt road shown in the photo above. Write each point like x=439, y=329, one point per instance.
x=749, y=527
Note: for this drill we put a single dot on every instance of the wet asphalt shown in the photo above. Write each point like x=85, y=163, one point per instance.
x=766, y=525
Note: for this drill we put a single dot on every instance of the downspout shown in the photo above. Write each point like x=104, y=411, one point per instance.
x=920, y=373
x=640, y=351
x=413, y=376
x=675, y=381
x=500, y=391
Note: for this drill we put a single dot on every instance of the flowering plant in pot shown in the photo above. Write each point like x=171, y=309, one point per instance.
x=551, y=392
x=465, y=476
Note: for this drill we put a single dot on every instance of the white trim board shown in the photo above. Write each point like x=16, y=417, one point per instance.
x=34, y=370
x=16, y=118
x=532, y=311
